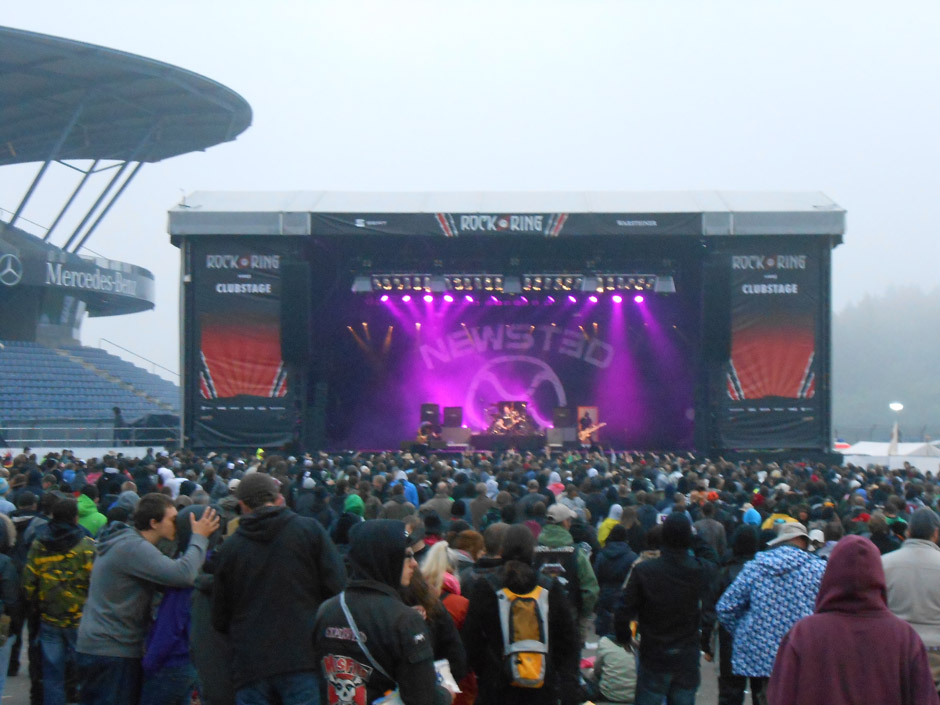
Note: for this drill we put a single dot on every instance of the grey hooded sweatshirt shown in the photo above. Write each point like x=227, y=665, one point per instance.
x=126, y=573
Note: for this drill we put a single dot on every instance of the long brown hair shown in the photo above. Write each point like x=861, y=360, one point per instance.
x=418, y=592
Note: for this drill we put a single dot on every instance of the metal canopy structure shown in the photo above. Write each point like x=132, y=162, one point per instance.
x=63, y=101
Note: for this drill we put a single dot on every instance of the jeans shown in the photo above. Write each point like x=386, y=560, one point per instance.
x=58, y=649
x=287, y=689
x=171, y=685
x=109, y=680
x=652, y=687
x=5, y=652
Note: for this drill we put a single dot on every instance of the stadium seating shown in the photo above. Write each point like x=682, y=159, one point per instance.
x=49, y=387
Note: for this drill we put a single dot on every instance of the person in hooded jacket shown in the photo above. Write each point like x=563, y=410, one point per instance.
x=611, y=567
x=400, y=653
x=771, y=594
x=126, y=574
x=88, y=514
x=55, y=586
x=271, y=576
x=852, y=650
x=169, y=674
x=482, y=632
x=731, y=687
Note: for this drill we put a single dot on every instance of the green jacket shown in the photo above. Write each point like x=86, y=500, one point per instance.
x=89, y=516
x=58, y=572
x=555, y=535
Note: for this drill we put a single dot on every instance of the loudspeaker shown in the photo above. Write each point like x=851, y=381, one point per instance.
x=716, y=319
x=295, y=312
x=557, y=437
x=562, y=417
x=453, y=416
x=456, y=436
x=431, y=412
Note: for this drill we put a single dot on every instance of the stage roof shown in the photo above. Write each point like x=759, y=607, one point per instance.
x=124, y=107
x=698, y=213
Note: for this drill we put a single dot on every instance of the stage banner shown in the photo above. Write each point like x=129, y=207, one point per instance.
x=769, y=398
x=239, y=395
x=502, y=224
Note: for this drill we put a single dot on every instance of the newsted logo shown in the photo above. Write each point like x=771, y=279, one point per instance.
x=502, y=223
x=760, y=262
x=243, y=261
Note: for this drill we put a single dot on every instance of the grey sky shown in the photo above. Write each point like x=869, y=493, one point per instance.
x=549, y=95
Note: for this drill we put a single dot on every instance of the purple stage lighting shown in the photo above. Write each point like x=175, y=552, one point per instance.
x=406, y=298
x=448, y=298
x=592, y=299
x=572, y=299
x=617, y=298
x=468, y=299
x=550, y=299
x=428, y=298
x=384, y=298
x=638, y=298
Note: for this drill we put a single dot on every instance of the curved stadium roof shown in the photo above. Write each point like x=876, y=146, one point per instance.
x=108, y=104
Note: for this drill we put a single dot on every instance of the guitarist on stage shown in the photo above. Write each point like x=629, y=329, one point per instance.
x=587, y=428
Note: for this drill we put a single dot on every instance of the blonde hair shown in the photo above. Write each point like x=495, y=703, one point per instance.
x=435, y=565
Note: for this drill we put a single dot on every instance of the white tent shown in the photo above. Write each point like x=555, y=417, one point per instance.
x=922, y=455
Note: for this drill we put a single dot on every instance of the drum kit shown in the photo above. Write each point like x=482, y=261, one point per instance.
x=510, y=419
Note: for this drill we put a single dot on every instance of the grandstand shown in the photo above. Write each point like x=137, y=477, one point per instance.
x=97, y=115
x=67, y=394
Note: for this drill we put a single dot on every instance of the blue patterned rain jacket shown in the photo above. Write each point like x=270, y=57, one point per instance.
x=771, y=594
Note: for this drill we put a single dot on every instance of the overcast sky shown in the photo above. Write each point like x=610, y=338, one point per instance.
x=840, y=97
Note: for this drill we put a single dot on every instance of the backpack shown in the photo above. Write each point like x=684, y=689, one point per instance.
x=523, y=619
x=561, y=563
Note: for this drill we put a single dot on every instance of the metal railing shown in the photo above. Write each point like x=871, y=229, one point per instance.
x=145, y=359
x=90, y=434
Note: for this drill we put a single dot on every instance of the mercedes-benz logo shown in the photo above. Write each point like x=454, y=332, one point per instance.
x=11, y=270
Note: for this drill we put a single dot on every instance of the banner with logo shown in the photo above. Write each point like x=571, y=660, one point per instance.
x=545, y=224
x=239, y=395
x=770, y=382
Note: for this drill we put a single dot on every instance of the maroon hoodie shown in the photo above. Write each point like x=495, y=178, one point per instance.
x=852, y=650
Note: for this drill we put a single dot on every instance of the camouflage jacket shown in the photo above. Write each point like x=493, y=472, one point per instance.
x=57, y=573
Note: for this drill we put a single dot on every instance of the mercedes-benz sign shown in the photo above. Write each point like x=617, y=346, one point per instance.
x=11, y=270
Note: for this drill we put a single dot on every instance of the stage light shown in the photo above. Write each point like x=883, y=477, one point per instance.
x=550, y=299
x=428, y=298
x=362, y=285
x=638, y=298
x=617, y=298
x=665, y=284
x=592, y=299
x=384, y=298
x=572, y=299
x=406, y=298
x=448, y=298
x=468, y=299
x=524, y=299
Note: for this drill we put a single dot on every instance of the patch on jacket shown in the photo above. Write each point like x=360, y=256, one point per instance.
x=346, y=680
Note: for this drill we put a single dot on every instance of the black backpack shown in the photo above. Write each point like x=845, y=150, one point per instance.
x=561, y=563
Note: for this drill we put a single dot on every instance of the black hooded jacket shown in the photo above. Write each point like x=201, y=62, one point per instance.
x=482, y=636
x=271, y=576
x=395, y=634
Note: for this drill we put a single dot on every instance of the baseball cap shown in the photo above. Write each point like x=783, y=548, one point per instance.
x=257, y=488
x=557, y=513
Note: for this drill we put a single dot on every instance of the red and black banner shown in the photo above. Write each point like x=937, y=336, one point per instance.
x=239, y=394
x=769, y=398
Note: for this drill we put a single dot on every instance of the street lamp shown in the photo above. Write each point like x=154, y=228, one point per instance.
x=896, y=407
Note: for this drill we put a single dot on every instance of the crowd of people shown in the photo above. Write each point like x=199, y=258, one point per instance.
x=490, y=578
